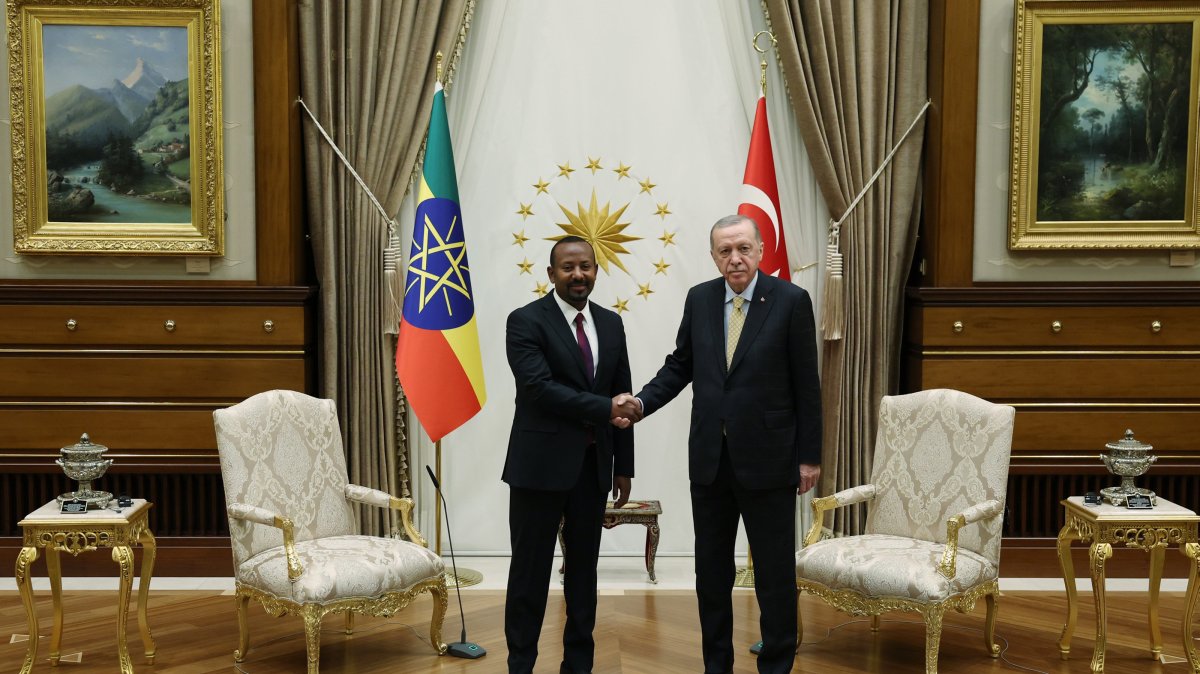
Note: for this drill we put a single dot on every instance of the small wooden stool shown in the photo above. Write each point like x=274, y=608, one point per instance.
x=634, y=512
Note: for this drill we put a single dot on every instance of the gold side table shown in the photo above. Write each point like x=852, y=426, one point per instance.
x=1152, y=530
x=47, y=528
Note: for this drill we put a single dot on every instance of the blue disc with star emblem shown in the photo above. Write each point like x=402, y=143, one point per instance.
x=437, y=288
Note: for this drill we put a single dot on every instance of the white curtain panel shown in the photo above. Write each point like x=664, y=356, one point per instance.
x=658, y=97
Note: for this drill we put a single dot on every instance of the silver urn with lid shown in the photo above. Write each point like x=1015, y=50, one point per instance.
x=84, y=461
x=1127, y=458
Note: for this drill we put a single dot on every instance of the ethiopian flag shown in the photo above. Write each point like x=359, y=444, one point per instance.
x=437, y=353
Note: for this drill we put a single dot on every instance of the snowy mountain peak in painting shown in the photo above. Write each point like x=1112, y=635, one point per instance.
x=144, y=80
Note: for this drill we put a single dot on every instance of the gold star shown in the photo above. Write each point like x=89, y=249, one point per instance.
x=668, y=238
x=418, y=265
x=565, y=170
x=519, y=238
x=541, y=186
x=662, y=211
x=599, y=228
x=525, y=210
x=660, y=267
x=594, y=165
x=644, y=290
x=526, y=266
x=542, y=289
x=620, y=306
x=622, y=170
x=647, y=186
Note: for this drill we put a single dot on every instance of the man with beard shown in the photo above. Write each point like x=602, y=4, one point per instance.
x=570, y=362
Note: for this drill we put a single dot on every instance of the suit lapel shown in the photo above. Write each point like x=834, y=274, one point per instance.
x=760, y=306
x=716, y=321
x=558, y=326
x=604, y=333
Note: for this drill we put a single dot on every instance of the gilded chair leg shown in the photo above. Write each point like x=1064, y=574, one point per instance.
x=874, y=623
x=312, y=638
x=349, y=622
x=933, y=637
x=243, y=600
x=799, y=622
x=438, y=592
x=989, y=626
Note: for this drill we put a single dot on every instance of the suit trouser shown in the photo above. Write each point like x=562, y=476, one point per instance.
x=533, y=517
x=770, y=519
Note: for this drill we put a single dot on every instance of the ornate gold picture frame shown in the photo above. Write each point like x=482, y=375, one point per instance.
x=1104, y=125
x=116, y=127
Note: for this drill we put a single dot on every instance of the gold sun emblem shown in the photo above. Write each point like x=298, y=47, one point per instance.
x=601, y=228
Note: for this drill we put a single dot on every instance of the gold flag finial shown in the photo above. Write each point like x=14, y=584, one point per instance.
x=762, y=58
x=439, y=66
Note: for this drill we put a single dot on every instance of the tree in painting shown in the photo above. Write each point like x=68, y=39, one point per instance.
x=1113, y=121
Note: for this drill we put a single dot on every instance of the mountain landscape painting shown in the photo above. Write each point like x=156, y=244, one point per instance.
x=117, y=110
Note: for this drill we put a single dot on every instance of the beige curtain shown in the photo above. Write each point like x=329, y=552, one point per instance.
x=856, y=73
x=367, y=73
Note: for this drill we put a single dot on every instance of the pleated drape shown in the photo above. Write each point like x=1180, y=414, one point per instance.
x=856, y=72
x=367, y=73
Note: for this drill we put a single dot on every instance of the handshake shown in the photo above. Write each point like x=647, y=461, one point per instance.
x=626, y=411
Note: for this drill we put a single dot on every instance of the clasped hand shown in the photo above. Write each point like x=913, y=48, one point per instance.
x=626, y=411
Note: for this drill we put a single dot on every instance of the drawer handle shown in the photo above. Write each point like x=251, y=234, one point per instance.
x=71, y=324
x=268, y=326
x=1056, y=327
x=958, y=326
x=169, y=326
x=1155, y=327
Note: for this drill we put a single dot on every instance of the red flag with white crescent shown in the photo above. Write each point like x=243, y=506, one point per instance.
x=760, y=196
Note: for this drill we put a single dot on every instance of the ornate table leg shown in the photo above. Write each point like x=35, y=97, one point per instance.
x=1099, y=553
x=1192, y=551
x=25, y=560
x=1157, y=553
x=54, y=570
x=1065, y=536
x=651, y=548
x=122, y=555
x=149, y=552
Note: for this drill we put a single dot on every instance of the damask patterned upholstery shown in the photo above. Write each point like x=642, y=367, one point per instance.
x=941, y=456
x=295, y=543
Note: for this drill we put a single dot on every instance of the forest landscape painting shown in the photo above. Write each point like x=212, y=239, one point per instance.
x=118, y=146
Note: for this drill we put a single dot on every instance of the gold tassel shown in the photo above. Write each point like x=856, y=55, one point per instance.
x=393, y=288
x=833, y=312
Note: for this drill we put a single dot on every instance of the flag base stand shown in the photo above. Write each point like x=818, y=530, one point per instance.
x=464, y=578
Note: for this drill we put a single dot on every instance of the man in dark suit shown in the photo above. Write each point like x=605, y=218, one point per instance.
x=569, y=359
x=747, y=345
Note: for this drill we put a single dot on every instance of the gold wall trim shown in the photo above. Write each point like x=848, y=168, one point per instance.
x=1086, y=405
x=53, y=455
x=1087, y=454
x=1123, y=352
x=114, y=403
x=189, y=352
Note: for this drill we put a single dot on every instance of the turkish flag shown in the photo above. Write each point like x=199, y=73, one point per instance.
x=760, y=196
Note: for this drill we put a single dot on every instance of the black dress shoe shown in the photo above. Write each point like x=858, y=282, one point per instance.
x=563, y=669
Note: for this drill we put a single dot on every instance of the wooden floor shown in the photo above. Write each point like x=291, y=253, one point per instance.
x=651, y=632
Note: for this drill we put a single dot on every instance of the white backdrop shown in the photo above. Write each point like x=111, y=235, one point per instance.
x=665, y=88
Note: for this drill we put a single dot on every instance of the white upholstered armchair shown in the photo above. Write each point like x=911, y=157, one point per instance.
x=932, y=539
x=295, y=545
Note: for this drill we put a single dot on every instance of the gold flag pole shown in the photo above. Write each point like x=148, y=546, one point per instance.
x=744, y=576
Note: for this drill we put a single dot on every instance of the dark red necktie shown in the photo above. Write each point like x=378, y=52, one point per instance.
x=585, y=347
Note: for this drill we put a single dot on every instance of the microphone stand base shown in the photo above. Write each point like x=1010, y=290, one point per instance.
x=464, y=577
x=465, y=649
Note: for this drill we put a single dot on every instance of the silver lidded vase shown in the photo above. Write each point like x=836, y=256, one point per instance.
x=1127, y=458
x=84, y=462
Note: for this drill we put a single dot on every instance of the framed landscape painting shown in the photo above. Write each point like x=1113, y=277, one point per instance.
x=116, y=127
x=1104, y=125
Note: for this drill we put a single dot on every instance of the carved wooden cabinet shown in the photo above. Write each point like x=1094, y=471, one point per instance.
x=1080, y=365
x=141, y=370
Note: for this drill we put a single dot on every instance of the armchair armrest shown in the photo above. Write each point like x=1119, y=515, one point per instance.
x=249, y=513
x=842, y=498
x=980, y=511
x=382, y=499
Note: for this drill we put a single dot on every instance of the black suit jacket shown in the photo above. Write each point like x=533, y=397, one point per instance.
x=557, y=413
x=767, y=403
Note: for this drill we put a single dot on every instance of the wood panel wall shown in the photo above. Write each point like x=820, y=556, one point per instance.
x=146, y=391
x=1076, y=385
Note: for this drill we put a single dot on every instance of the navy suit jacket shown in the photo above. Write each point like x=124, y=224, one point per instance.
x=557, y=412
x=767, y=402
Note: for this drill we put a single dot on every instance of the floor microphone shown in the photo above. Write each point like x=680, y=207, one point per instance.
x=462, y=648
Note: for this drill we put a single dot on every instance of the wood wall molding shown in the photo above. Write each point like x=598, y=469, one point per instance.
x=1063, y=295
x=949, y=204
x=105, y=294
x=282, y=250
